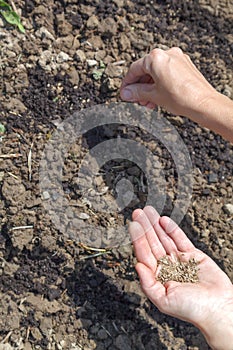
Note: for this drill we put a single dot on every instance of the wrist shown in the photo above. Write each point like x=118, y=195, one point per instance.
x=218, y=327
x=215, y=112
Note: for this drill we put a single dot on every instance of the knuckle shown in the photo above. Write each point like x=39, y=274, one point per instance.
x=155, y=53
x=176, y=50
x=153, y=59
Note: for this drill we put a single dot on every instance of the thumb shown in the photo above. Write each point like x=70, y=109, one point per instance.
x=139, y=93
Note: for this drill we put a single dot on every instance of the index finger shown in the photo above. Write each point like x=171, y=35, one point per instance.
x=136, y=71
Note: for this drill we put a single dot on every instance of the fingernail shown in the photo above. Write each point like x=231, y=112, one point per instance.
x=127, y=94
x=136, y=231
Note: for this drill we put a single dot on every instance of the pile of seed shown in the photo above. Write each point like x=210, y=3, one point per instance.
x=178, y=271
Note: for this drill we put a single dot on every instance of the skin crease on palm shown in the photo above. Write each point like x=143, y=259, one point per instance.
x=169, y=79
x=154, y=237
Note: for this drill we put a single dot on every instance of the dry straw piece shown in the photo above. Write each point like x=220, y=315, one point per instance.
x=179, y=271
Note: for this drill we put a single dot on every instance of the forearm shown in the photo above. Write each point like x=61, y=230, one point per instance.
x=218, y=330
x=216, y=114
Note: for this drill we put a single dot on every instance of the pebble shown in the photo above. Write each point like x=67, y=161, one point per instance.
x=113, y=71
x=1, y=175
x=80, y=55
x=102, y=334
x=46, y=325
x=6, y=346
x=123, y=342
x=42, y=33
x=228, y=208
x=228, y=91
x=36, y=333
x=91, y=63
x=14, y=104
x=212, y=177
x=83, y=216
x=62, y=57
x=45, y=195
x=92, y=22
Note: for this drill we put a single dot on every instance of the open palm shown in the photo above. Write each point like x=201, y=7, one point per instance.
x=154, y=237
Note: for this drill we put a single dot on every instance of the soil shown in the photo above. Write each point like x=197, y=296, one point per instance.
x=54, y=294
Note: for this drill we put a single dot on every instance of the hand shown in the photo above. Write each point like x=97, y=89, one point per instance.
x=207, y=304
x=170, y=79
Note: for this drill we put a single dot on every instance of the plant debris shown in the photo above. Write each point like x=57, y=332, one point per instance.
x=178, y=271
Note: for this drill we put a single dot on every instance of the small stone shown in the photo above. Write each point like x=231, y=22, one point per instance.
x=99, y=55
x=27, y=346
x=228, y=91
x=36, y=333
x=42, y=33
x=177, y=120
x=15, y=105
x=113, y=71
x=212, y=178
x=228, y=208
x=10, y=268
x=46, y=325
x=83, y=216
x=124, y=42
x=108, y=27
x=45, y=195
x=53, y=294
x=92, y=63
x=1, y=175
x=102, y=334
x=6, y=346
x=92, y=22
x=73, y=76
x=205, y=233
x=206, y=191
x=63, y=26
x=62, y=57
x=80, y=55
x=123, y=342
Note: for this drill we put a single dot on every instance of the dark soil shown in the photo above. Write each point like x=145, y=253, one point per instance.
x=54, y=294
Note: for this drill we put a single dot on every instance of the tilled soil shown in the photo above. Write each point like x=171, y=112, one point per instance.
x=54, y=294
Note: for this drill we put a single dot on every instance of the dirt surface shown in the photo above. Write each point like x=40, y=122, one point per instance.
x=74, y=56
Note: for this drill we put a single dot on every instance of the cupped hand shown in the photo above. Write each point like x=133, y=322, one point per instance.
x=168, y=79
x=199, y=303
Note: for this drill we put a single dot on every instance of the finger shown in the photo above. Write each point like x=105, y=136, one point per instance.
x=175, y=51
x=139, y=92
x=146, y=79
x=144, y=66
x=143, y=103
x=153, y=289
x=153, y=240
x=166, y=241
x=151, y=105
x=141, y=246
x=178, y=236
x=135, y=73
